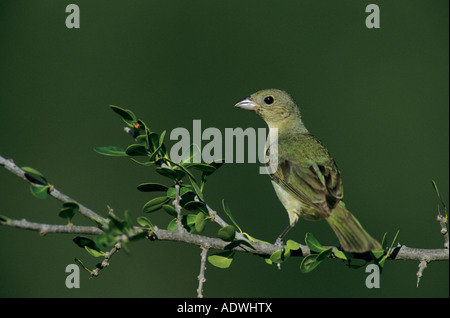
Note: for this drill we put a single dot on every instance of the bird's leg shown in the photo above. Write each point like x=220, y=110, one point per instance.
x=279, y=241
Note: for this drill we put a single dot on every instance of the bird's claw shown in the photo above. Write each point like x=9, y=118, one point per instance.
x=279, y=243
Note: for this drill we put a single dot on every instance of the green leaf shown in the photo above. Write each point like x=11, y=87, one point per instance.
x=275, y=258
x=205, y=174
x=171, y=192
x=170, y=210
x=155, y=204
x=34, y=176
x=341, y=255
x=104, y=240
x=181, y=167
x=138, y=236
x=355, y=263
x=309, y=263
x=227, y=233
x=193, y=153
x=94, y=252
x=3, y=219
x=40, y=192
x=67, y=213
x=172, y=226
x=292, y=245
x=196, y=206
x=71, y=204
x=384, y=242
x=171, y=173
x=188, y=222
x=280, y=256
x=382, y=261
x=251, y=238
x=313, y=243
x=142, y=140
x=226, y=208
x=118, y=223
x=235, y=243
x=82, y=265
x=145, y=163
x=324, y=254
x=111, y=151
x=161, y=144
x=201, y=167
x=82, y=241
x=136, y=150
x=128, y=220
x=153, y=140
x=437, y=193
x=200, y=222
x=221, y=259
x=393, y=242
x=197, y=189
x=126, y=114
x=376, y=254
x=150, y=187
x=143, y=221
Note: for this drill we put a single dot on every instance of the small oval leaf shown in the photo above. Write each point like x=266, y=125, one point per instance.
x=111, y=151
x=313, y=243
x=136, y=150
x=155, y=204
x=143, y=221
x=170, y=210
x=150, y=187
x=200, y=222
x=222, y=259
x=227, y=233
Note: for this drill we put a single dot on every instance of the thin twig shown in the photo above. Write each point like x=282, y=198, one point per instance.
x=399, y=253
x=422, y=265
x=177, y=205
x=105, y=261
x=201, y=277
x=12, y=167
x=50, y=228
x=443, y=222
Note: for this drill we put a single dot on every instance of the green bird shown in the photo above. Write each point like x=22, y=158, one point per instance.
x=306, y=180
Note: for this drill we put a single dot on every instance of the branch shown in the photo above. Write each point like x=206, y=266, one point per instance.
x=105, y=262
x=12, y=167
x=443, y=223
x=399, y=253
x=49, y=228
x=178, y=207
x=201, y=276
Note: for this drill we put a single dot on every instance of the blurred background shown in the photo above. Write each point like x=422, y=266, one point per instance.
x=377, y=98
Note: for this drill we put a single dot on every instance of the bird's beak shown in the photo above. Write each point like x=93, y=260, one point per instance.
x=247, y=104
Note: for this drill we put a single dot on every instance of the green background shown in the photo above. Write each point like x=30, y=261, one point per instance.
x=378, y=98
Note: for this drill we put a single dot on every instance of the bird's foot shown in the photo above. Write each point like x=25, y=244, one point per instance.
x=279, y=243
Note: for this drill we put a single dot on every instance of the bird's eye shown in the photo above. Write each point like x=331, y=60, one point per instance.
x=268, y=100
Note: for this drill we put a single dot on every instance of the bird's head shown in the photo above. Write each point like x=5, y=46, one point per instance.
x=276, y=107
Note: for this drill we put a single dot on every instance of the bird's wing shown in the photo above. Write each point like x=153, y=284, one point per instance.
x=315, y=182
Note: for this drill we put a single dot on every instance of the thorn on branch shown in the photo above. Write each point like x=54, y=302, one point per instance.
x=422, y=265
x=443, y=222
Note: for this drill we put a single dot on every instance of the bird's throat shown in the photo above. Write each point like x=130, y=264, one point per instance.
x=288, y=126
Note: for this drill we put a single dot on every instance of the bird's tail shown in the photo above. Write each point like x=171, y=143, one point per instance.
x=352, y=236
